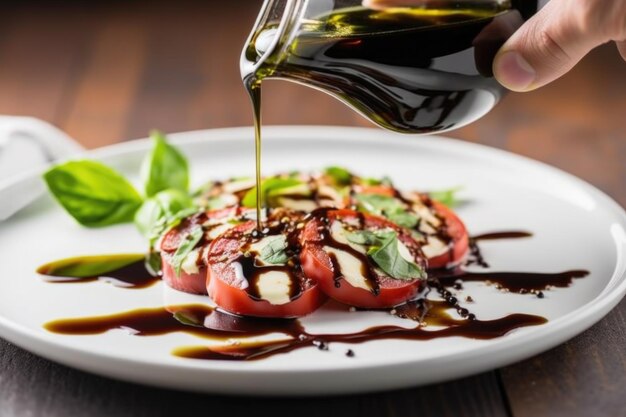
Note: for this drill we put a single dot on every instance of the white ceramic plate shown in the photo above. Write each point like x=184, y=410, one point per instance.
x=575, y=227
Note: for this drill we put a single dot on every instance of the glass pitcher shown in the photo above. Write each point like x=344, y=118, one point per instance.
x=411, y=66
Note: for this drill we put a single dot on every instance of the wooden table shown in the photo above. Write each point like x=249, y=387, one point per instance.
x=110, y=71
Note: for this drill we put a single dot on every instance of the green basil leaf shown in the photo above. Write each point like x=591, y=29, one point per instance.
x=185, y=248
x=94, y=194
x=164, y=167
x=268, y=186
x=156, y=212
x=446, y=197
x=383, y=250
x=153, y=263
x=274, y=251
x=389, y=207
x=377, y=203
x=377, y=181
x=175, y=220
x=371, y=181
x=340, y=176
x=147, y=216
x=165, y=223
x=362, y=237
x=388, y=258
x=402, y=218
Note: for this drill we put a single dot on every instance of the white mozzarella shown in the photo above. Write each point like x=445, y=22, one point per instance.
x=425, y=227
x=337, y=232
x=405, y=253
x=298, y=205
x=228, y=199
x=239, y=185
x=350, y=268
x=257, y=247
x=190, y=263
x=435, y=247
x=274, y=286
x=427, y=216
x=325, y=191
x=216, y=231
x=239, y=275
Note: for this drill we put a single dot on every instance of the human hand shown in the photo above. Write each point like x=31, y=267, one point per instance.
x=550, y=43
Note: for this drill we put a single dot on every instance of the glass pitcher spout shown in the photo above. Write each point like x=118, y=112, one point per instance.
x=270, y=36
x=411, y=66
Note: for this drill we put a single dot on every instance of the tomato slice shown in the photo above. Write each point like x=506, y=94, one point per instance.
x=457, y=235
x=320, y=261
x=193, y=283
x=240, y=285
x=175, y=236
x=375, y=189
x=451, y=233
x=216, y=222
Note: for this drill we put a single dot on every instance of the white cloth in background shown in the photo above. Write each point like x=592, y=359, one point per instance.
x=28, y=144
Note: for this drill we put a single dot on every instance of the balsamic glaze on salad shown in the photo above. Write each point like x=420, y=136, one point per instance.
x=204, y=321
x=432, y=317
x=326, y=239
x=429, y=233
x=280, y=223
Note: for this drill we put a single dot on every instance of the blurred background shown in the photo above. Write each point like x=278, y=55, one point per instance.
x=112, y=70
x=109, y=71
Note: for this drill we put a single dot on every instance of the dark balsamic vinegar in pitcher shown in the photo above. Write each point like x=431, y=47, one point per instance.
x=408, y=69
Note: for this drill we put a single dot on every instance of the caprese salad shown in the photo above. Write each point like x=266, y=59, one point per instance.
x=329, y=234
x=332, y=234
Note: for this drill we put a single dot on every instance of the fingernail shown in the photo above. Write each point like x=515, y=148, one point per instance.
x=513, y=71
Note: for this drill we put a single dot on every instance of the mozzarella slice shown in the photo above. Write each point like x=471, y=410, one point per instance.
x=298, y=205
x=239, y=275
x=257, y=247
x=228, y=199
x=239, y=185
x=274, y=286
x=190, y=263
x=405, y=252
x=324, y=191
x=435, y=247
x=216, y=231
x=429, y=220
x=350, y=268
x=337, y=232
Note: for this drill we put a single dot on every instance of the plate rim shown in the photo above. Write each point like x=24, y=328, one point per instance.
x=550, y=335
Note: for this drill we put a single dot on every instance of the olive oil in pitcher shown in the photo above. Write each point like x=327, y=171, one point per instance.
x=408, y=69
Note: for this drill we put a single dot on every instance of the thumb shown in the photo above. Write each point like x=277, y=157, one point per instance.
x=621, y=46
x=550, y=43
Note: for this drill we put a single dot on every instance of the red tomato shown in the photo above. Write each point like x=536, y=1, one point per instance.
x=459, y=239
x=375, y=189
x=191, y=283
x=231, y=290
x=318, y=265
x=455, y=229
x=173, y=238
